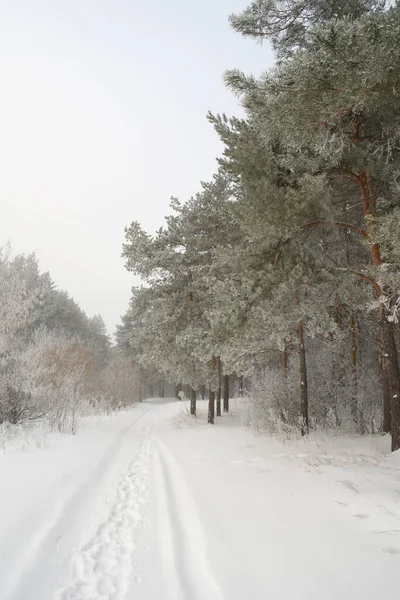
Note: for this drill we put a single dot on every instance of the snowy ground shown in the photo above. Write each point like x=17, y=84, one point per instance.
x=149, y=505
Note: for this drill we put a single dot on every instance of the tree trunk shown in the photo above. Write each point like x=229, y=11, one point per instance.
x=387, y=421
x=353, y=360
x=398, y=342
x=219, y=376
x=393, y=375
x=211, y=407
x=193, y=402
x=140, y=385
x=241, y=387
x=342, y=352
x=178, y=389
x=203, y=392
x=285, y=360
x=226, y=393
x=389, y=345
x=335, y=377
x=386, y=425
x=305, y=428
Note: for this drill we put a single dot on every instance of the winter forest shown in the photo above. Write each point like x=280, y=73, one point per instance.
x=238, y=435
x=278, y=279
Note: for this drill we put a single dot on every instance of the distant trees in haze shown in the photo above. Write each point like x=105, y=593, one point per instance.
x=56, y=363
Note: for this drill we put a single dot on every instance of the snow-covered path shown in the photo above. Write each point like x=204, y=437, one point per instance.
x=149, y=508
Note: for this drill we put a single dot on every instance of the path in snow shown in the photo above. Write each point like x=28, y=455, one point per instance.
x=42, y=541
x=184, y=555
x=157, y=507
x=103, y=566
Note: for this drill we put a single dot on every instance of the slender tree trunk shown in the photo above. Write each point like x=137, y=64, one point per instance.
x=203, y=392
x=226, y=393
x=387, y=421
x=386, y=424
x=140, y=384
x=219, y=375
x=178, y=389
x=342, y=353
x=398, y=342
x=353, y=360
x=393, y=376
x=211, y=407
x=391, y=381
x=305, y=427
x=193, y=402
x=218, y=396
x=285, y=361
x=353, y=344
x=335, y=377
x=241, y=387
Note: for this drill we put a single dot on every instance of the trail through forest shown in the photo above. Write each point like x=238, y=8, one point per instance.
x=153, y=505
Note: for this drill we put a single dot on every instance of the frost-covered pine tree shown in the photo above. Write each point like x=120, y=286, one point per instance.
x=170, y=316
x=332, y=103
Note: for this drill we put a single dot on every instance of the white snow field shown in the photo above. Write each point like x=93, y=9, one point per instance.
x=151, y=505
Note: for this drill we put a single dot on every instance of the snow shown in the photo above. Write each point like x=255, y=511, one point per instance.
x=151, y=504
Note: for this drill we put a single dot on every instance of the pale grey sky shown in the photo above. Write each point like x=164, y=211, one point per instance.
x=102, y=119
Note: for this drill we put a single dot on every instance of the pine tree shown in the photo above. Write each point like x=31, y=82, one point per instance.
x=337, y=95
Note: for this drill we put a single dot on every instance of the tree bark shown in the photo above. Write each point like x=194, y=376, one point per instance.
x=285, y=360
x=393, y=375
x=305, y=427
x=342, y=353
x=219, y=376
x=387, y=421
x=226, y=393
x=211, y=407
x=140, y=385
x=386, y=424
x=241, y=387
x=398, y=342
x=203, y=392
x=353, y=360
x=193, y=402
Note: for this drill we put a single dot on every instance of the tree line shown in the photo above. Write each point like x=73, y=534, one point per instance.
x=56, y=363
x=284, y=268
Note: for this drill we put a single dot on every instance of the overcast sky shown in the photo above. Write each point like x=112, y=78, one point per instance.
x=102, y=120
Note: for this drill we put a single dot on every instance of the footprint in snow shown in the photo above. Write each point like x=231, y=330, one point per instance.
x=391, y=550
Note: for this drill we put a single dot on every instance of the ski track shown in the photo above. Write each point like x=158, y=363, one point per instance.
x=47, y=537
x=183, y=546
x=102, y=568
